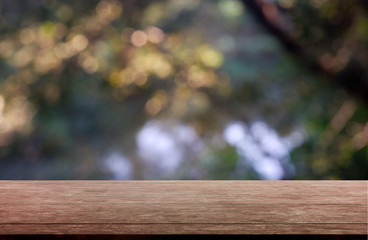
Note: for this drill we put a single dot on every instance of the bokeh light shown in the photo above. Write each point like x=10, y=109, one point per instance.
x=223, y=89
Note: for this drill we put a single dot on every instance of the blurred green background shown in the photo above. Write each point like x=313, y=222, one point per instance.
x=178, y=89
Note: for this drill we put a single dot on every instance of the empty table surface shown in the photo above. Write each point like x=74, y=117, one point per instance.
x=183, y=207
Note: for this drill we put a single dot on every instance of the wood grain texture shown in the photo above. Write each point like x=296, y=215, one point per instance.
x=183, y=207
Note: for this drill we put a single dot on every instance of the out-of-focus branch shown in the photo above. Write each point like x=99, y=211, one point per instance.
x=353, y=78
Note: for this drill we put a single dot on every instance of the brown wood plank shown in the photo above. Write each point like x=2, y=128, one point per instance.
x=177, y=213
x=183, y=207
x=270, y=192
x=184, y=229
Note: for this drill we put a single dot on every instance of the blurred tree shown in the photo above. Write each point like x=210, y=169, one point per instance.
x=183, y=89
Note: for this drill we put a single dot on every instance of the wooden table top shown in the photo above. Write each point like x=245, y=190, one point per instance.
x=183, y=207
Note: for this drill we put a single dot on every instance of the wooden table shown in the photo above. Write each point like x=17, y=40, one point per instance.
x=147, y=209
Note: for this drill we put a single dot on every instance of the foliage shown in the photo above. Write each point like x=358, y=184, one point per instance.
x=179, y=90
